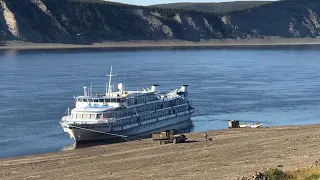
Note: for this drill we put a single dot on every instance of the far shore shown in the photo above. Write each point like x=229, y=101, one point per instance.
x=163, y=44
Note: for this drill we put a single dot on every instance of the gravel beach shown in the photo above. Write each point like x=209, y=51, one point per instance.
x=232, y=153
x=268, y=41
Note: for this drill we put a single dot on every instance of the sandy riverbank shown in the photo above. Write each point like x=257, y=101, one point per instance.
x=231, y=154
x=164, y=44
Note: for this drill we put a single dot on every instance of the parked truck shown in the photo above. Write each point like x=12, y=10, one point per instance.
x=169, y=136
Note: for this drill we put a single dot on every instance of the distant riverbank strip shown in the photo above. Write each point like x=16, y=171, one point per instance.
x=232, y=153
x=164, y=44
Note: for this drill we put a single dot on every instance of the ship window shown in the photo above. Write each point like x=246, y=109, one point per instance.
x=86, y=116
x=90, y=100
x=96, y=100
x=85, y=100
x=99, y=116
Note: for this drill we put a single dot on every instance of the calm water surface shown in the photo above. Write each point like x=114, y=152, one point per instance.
x=275, y=86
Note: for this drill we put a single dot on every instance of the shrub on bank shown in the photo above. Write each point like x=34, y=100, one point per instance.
x=275, y=174
x=312, y=173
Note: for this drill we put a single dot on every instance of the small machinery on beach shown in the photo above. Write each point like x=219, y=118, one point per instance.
x=169, y=136
x=237, y=124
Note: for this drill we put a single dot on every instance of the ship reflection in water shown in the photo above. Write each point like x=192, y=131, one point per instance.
x=185, y=127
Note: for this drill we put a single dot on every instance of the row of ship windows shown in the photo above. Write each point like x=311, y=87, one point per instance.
x=122, y=124
x=93, y=127
x=142, y=108
x=133, y=111
x=137, y=100
x=101, y=100
x=151, y=116
x=142, y=99
x=119, y=114
x=155, y=106
x=86, y=116
x=164, y=113
x=99, y=116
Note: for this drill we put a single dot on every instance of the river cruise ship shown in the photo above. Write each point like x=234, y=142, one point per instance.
x=125, y=114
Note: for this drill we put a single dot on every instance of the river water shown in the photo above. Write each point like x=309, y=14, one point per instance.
x=271, y=85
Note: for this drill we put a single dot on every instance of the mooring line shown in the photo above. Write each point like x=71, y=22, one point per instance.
x=211, y=119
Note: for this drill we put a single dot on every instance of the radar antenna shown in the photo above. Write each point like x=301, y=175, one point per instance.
x=109, y=88
x=68, y=111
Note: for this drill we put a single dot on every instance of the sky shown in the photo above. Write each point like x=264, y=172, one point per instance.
x=150, y=2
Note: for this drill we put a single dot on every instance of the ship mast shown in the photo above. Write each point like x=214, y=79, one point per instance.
x=109, y=88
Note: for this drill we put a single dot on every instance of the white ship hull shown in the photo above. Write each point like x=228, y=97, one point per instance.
x=83, y=134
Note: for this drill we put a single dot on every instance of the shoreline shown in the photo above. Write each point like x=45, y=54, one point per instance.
x=269, y=42
x=232, y=153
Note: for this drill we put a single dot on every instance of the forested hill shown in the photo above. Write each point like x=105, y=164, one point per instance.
x=84, y=21
x=222, y=7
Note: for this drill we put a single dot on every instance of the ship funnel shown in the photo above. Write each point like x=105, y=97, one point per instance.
x=85, y=91
x=154, y=88
x=120, y=87
x=184, y=90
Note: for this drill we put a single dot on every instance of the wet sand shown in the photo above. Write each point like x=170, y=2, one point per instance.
x=273, y=41
x=232, y=154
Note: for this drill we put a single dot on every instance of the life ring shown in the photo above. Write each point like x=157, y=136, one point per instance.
x=104, y=119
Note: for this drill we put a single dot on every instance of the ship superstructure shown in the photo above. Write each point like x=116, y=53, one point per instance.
x=125, y=113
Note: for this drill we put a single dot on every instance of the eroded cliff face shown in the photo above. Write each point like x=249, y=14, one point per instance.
x=67, y=21
x=116, y=22
x=22, y=20
x=84, y=22
x=289, y=19
x=8, y=25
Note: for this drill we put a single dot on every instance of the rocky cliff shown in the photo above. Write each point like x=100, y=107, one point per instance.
x=85, y=22
x=287, y=18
